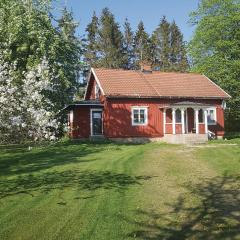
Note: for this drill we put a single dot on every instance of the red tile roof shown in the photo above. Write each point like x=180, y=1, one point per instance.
x=130, y=83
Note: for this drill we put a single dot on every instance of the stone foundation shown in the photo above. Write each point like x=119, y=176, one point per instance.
x=168, y=138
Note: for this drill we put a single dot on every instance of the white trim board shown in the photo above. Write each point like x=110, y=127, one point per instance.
x=217, y=85
x=97, y=81
x=89, y=76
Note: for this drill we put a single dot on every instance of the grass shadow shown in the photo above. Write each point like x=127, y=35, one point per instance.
x=217, y=216
x=19, y=160
x=85, y=180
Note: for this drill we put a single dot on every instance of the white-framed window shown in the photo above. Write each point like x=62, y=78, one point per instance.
x=97, y=91
x=211, y=116
x=139, y=116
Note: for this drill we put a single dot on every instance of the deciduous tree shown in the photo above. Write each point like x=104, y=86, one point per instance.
x=215, y=49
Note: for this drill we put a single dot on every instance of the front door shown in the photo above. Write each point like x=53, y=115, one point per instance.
x=96, y=122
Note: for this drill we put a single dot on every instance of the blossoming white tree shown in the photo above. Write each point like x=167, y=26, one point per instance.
x=26, y=112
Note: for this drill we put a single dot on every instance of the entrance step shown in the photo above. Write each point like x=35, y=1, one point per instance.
x=186, y=138
x=97, y=138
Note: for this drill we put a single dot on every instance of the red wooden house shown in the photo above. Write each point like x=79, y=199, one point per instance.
x=137, y=105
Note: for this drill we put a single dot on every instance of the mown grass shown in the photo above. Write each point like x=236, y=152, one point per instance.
x=120, y=191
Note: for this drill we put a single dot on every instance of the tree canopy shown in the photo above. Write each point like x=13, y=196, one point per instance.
x=29, y=33
x=215, y=49
x=109, y=46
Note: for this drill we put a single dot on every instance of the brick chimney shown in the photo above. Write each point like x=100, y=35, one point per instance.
x=146, y=67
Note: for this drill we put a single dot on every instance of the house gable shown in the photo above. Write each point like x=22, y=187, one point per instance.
x=94, y=90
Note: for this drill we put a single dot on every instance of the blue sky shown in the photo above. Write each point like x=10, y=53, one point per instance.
x=150, y=11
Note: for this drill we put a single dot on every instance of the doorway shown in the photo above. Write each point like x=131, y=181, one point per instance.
x=96, y=122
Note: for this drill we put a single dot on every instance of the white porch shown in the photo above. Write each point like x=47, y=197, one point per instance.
x=185, y=122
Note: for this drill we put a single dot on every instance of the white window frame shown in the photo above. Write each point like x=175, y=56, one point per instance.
x=145, y=108
x=91, y=120
x=71, y=116
x=215, y=115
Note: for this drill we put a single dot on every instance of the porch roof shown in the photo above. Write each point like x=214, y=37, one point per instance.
x=185, y=104
x=92, y=103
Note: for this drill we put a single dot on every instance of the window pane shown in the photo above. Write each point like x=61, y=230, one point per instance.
x=139, y=116
x=135, y=118
x=142, y=111
x=135, y=111
x=211, y=116
x=178, y=116
x=200, y=116
x=142, y=118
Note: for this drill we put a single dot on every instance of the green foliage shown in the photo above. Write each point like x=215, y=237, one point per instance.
x=110, y=41
x=104, y=43
x=215, y=50
x=128, y=44
x=169, y=48
x=92, y=44
x=28, y=34
x=107, y=46
x=178, y=54
x=142, y=46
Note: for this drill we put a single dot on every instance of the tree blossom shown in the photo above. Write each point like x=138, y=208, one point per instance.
x=26, y=111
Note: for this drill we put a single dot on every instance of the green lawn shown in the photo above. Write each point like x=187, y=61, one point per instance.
x=112, y=191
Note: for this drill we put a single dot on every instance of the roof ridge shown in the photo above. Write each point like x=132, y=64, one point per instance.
x=139, y=71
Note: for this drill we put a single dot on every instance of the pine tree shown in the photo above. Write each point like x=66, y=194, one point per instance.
x=178, y=59
x=141, y=46
x=128, y=42
x=91, y=53
x=169, y=51
x=110, y=42
x=161, y=40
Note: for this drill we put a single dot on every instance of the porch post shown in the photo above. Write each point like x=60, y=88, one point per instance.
x=164, y=121
x=205, y=121
x=196, y=120
x=174, y=121
x=183, y=122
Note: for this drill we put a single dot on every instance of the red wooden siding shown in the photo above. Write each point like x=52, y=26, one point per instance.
x=219, y=127
x=178, y=128
x=118, y=122
x=80, y=128
x=169, y=129
x=201, y=128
